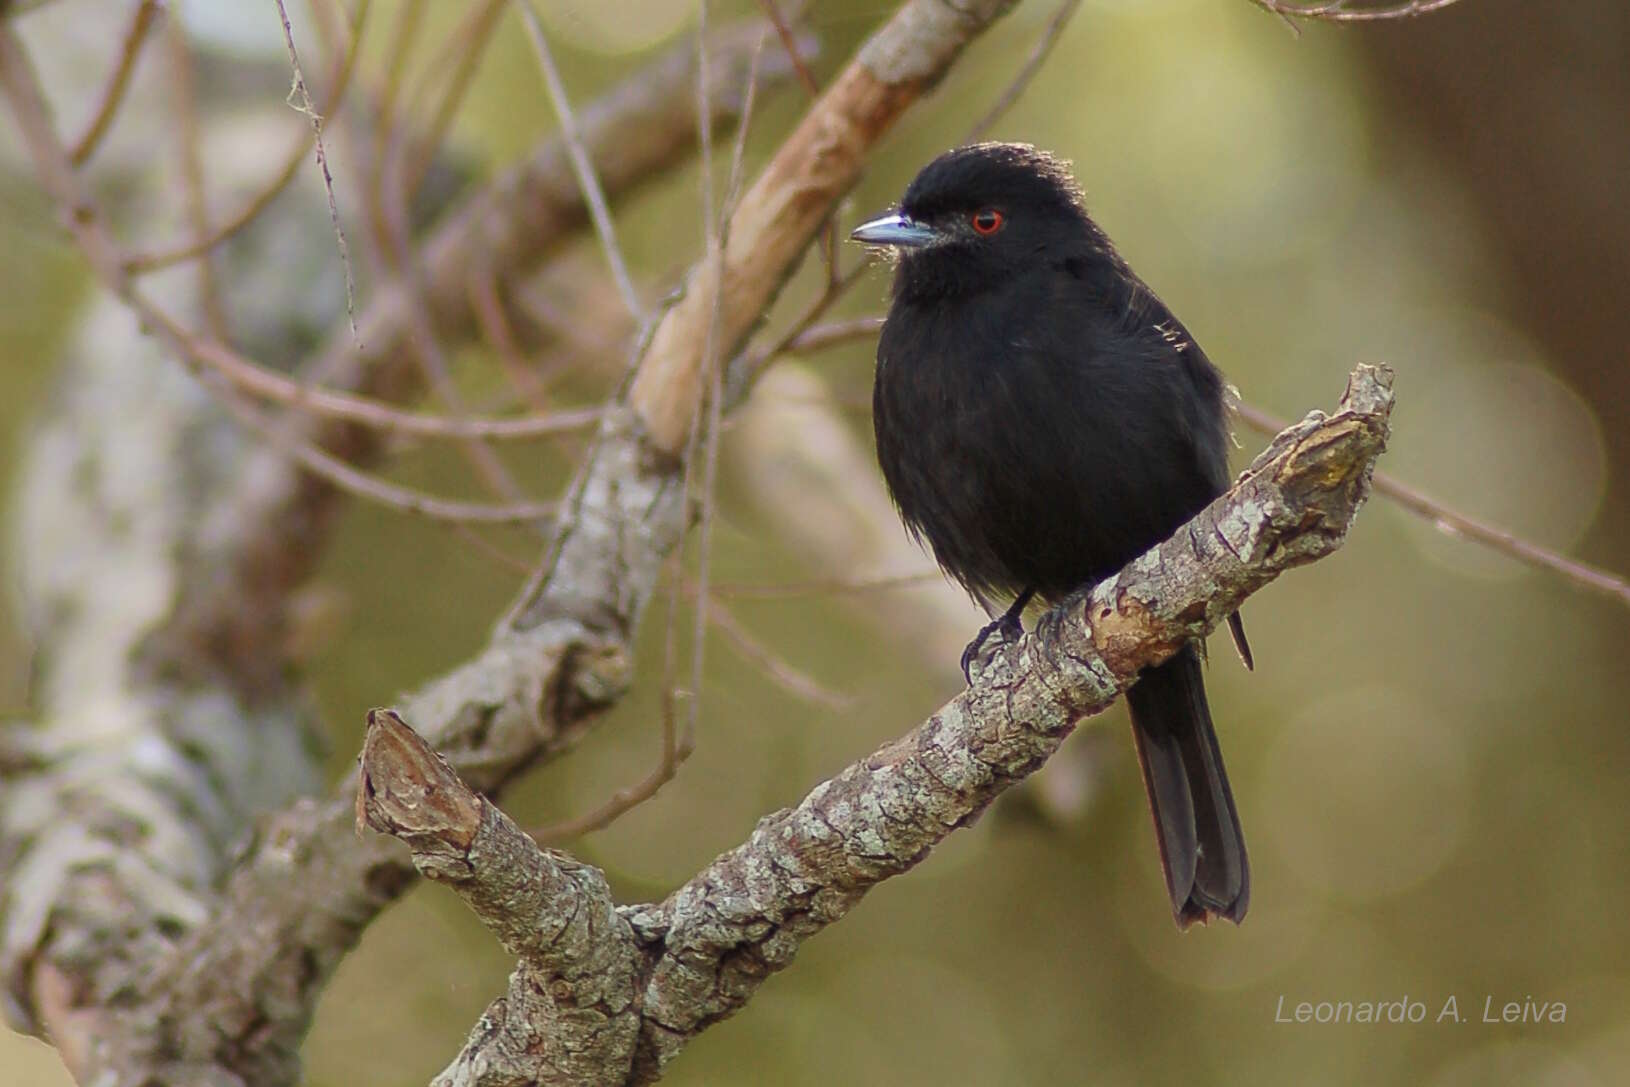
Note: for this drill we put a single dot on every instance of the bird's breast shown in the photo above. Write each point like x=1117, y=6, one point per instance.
x=1028, y=445
x=957, y=407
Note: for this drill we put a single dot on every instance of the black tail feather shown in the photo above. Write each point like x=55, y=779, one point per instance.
x=1236, y=627
x=1201, y=847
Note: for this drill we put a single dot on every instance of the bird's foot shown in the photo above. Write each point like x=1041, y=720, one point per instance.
x=983, y=649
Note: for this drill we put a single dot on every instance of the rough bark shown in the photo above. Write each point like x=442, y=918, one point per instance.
x=578, y=958
x=151, y=926
x=703, y=951
x=150, y=941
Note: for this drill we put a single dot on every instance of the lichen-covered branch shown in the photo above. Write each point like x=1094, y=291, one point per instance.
x=224, y=992
x=563, y=655
x=708, y=946
x=635, y=133
x=578, y=958
x=159, y=548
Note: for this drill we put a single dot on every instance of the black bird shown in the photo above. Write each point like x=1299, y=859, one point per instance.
x=1042, y=419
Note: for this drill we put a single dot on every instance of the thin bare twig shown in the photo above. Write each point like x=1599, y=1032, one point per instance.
x=780, y=672
x=712, y=364
x=673, y=753
x=824, y=586
x=467, y=532
x=300, y=98
x=677, y=744
x=619, y=804
x=836, y=287
x=806, y=78
x=351, y=407
x=1455, y=523
x=593, y=195
x=141, y=24
x=1027, y=72
x=738, y=149
x=195, y=198
x=461, y=53
x=832, y=334
x=423, y=345
x=708, y=403
x=829, y=250
x=790, y=44
x=795, y=681
x=496, y=332
x=714, y=259
x=140, y=263
x=381, y=160
x=57, y=175
x=353, y=480
x=1351, y=11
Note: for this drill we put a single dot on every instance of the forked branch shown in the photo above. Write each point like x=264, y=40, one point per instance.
x=702, y=952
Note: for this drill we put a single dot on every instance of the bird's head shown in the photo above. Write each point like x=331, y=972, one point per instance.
x=979, y=215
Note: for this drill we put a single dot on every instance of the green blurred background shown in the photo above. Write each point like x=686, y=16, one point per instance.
x=1432, y=758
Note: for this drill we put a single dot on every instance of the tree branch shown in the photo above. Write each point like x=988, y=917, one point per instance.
x=143, y=929
x=1454, y=523
x=578, y=955
x=142, y=22
x=1349, y=11
x=232, y=991
x=708, y=946
x=785, y=207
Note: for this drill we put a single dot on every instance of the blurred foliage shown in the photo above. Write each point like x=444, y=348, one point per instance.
x=1430, y=759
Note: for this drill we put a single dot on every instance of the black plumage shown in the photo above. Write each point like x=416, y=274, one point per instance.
x=1041, y=420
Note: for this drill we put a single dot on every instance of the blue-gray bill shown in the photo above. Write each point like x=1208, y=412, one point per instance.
x=893, y=230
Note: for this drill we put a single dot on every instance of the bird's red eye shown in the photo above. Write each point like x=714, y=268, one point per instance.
x=987, y=221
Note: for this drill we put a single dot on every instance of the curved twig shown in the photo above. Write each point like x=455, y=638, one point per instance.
x=142, y=263
x=1351, y=11
x=1504, y=541
x=141, y=25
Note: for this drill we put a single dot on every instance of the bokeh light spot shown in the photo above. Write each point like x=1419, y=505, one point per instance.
x=1366, y=793
x=1487, y=429
x=614, y=26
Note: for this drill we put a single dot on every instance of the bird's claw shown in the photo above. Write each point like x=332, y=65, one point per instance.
x=982, y=650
